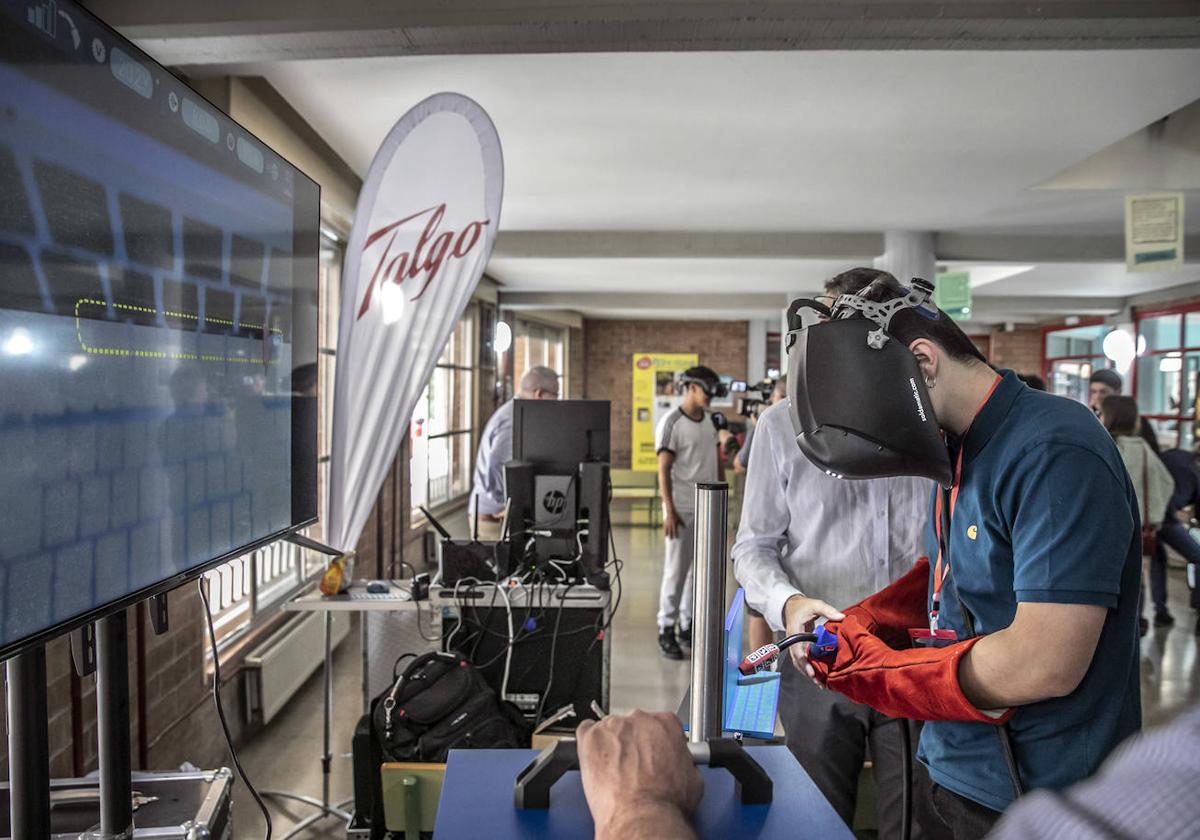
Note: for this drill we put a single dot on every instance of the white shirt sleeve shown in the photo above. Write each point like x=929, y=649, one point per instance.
x=762, y=532
x=664, y=437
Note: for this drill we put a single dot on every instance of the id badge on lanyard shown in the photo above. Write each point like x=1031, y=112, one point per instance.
x=937, y=636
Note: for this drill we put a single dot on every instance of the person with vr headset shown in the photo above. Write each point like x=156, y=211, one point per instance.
x=686, y=441
x=806, y=544
x=1019, y=644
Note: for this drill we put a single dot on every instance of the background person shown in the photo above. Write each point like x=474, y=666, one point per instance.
x=806, y=541
x=1152, y=481
x=1103, y=383
x=1033, y=381
x=741, y=461
x=686, y=441
x=1175, y=532
x=496, y=448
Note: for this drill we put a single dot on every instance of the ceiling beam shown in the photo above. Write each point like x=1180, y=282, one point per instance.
x=861, y=245
x=649, y=301
x=233, y=31
x=996, y=309
x=985, y=309
x=1035, y=248
x=1173, y=295
x=568, y=244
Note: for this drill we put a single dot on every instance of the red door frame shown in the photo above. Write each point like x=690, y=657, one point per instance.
x=1181, y=309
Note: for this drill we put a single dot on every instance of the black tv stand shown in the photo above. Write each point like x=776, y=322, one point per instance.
x=28, y=745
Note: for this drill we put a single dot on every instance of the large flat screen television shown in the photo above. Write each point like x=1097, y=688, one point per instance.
x=158, y=310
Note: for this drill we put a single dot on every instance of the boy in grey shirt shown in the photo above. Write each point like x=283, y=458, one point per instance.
x=686, y=441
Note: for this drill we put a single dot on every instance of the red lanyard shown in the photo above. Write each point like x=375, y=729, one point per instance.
x=940, y=572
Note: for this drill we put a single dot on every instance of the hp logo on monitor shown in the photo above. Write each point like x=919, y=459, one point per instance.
x=555, y=501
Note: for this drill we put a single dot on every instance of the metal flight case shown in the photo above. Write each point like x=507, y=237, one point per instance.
x=167, y=806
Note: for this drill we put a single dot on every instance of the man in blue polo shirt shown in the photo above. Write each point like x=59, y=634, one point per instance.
x=1032, y=679
x=1026, y=656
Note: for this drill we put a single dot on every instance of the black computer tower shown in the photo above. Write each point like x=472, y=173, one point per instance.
x=580, y=653
x=593, y=517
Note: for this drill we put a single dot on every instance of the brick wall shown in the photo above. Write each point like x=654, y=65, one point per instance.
x=1019, y=350
x=181, y=723
x=576, y=385
x=610, y=345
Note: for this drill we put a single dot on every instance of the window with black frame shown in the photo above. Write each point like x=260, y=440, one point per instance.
x=442, y=431
x=536, y=343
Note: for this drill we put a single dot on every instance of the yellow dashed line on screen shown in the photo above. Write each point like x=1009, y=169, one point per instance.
x=155, y=354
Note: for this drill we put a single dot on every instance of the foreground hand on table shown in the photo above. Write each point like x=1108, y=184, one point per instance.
x=638, y=776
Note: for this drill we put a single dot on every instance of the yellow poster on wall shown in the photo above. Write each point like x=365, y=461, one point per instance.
x=653, y=396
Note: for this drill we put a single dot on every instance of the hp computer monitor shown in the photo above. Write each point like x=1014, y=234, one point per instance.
x=158, y=308
x=559, y=435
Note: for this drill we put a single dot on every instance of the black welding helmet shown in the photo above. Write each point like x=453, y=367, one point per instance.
x=707, y=379
x=857, y=398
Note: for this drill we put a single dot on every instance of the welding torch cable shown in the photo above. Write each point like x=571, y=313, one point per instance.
x=824, y=641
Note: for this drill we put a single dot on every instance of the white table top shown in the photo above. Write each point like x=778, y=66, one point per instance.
x=398, y=598
x=356, y=600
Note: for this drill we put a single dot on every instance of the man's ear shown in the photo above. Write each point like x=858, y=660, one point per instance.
x=928, y=357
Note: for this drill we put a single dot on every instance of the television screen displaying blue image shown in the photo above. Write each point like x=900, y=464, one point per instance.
x=158, y=310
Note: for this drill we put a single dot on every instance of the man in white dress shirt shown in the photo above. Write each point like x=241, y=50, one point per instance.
x=807, y=545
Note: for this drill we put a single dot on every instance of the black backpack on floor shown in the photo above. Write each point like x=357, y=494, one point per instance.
x=440, y=703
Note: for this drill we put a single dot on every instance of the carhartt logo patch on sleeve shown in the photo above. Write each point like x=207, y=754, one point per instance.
x=972, y=532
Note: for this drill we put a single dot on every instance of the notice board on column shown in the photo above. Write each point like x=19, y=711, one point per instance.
x=653, y=396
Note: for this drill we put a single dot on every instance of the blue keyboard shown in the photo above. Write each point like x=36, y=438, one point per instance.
x=754, y=705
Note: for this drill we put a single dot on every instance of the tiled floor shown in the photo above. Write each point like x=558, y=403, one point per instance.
x=286, y=754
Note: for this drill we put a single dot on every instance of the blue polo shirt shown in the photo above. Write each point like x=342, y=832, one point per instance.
x=1045, y=513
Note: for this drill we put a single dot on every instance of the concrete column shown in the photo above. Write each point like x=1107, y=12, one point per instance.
x=756, y=349
x=908, y=254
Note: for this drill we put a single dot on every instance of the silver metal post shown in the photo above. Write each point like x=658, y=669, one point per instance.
x=327, y=758
x=708, y=661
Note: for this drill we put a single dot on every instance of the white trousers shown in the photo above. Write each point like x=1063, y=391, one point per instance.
x=675, y=594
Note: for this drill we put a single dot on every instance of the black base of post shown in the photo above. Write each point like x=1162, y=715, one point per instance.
x=112, y=719
x=28, y=746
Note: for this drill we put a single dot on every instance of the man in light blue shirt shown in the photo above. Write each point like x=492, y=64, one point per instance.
x=495, y=450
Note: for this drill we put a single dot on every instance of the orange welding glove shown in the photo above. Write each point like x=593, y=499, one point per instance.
x=892, y=611
x=917, y=683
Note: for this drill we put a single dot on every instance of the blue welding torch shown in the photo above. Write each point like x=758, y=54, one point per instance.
x=824, y=646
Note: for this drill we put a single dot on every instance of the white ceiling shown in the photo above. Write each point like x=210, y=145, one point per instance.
x=779, y=141
x=693, y=275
